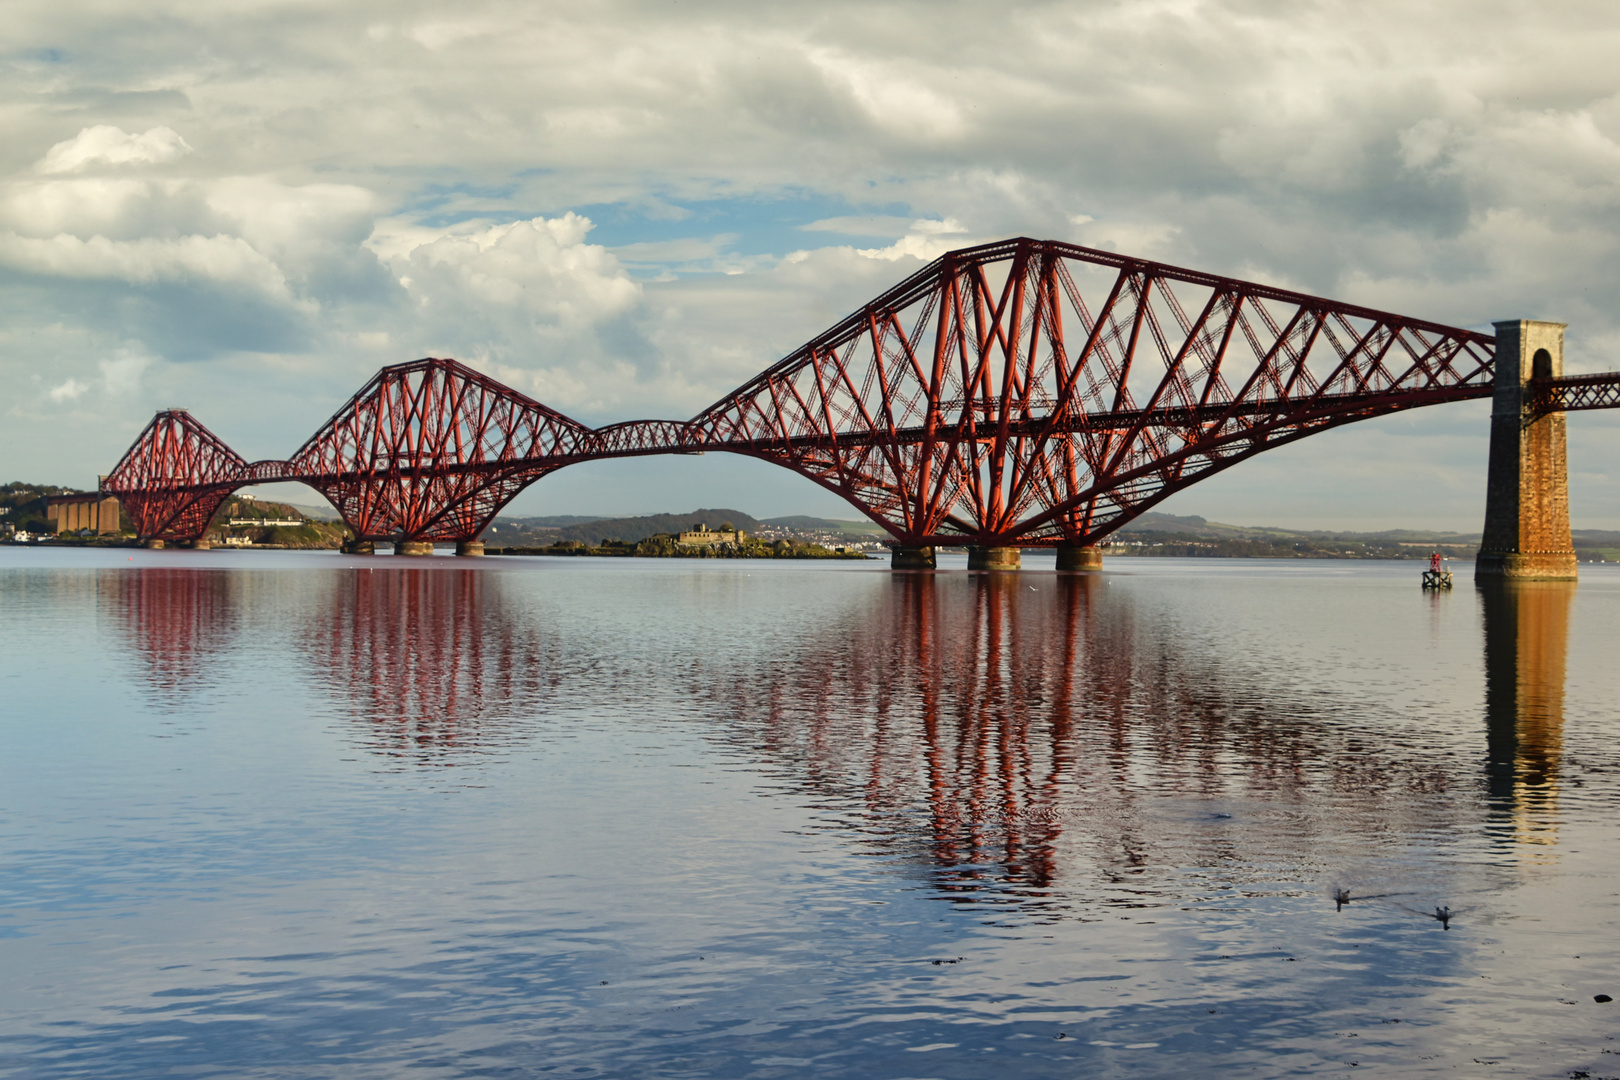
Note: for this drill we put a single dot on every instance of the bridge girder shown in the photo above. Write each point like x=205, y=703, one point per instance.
x=1020, y=393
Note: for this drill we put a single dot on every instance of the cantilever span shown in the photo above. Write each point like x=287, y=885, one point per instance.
x=1022, y=393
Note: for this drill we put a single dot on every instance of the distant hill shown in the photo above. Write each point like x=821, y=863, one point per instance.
x=323, y=512
x=277, y=524
x=803, y=523
x=1193, y=525
x=1152, y=521
x=550, y=521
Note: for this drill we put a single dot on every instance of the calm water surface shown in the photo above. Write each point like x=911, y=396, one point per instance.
x=306, y=815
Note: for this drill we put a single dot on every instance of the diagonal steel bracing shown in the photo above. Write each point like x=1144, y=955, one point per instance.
x=1019, y=393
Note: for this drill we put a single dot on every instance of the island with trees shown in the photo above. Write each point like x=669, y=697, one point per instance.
x=725, y=541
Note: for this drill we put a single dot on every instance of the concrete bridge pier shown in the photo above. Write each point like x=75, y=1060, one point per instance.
x=359, y=547
x=152, y=544
x=1072, y=559
x=413, y=547
x=994, y=558
x=1527, y=494
x=912, y=558
x=202, y=543
x=469, y=547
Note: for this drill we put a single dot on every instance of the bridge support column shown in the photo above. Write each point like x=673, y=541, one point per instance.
x=1527, y=493
x=153, y=544
x=202, y=543
x=413, y=547
x=912, y=558
x=1072, y=559
x=469, y=547
x=994, y=558
x=359, y=547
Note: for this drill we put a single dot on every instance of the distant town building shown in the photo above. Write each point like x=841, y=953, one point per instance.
x=72, y=513
x=703, y=536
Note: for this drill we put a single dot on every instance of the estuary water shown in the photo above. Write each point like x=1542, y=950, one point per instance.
x=306, y=815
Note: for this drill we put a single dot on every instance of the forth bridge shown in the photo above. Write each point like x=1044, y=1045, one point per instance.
x=1019, y=394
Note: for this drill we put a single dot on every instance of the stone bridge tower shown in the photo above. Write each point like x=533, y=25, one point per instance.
x=1527, y=495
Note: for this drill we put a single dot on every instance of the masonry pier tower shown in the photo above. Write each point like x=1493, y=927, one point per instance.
x=1527, y=494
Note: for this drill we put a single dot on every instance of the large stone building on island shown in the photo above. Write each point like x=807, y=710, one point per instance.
x=702, y=536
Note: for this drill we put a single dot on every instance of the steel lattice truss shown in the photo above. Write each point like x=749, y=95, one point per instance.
x=432, y=449
x=175, y=476
x=987, y=400
x=1573, y=393
x=428, y=450
x=1020, y=393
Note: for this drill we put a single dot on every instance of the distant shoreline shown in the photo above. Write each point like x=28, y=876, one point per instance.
x=628, y=553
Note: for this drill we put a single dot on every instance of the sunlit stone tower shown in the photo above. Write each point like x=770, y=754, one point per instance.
x=1527, y=495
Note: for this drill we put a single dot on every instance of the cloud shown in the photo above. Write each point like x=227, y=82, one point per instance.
x=861, y=225
x=894, y=102
x=68, y=391
x=924, y=240
x=192, y=266
x=121, y=373
x=119, y=376
x=539, y=271
x=146, y=261
x=531, y=300
x=104, y=144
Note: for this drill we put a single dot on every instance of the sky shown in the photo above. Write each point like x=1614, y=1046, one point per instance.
x=627, y=209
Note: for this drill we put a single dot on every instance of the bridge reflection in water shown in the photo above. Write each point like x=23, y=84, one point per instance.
x=1053, y=741
x=178, y=622
x=1038, y=737
x=432, y=664
x=1526, y=640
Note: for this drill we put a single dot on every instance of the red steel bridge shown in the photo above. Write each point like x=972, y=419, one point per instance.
x=1019, y=394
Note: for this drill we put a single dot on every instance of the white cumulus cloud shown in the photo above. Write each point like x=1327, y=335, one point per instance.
x=104, y=144
x=540, y=271
x=68, y=391
x=924, y=240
